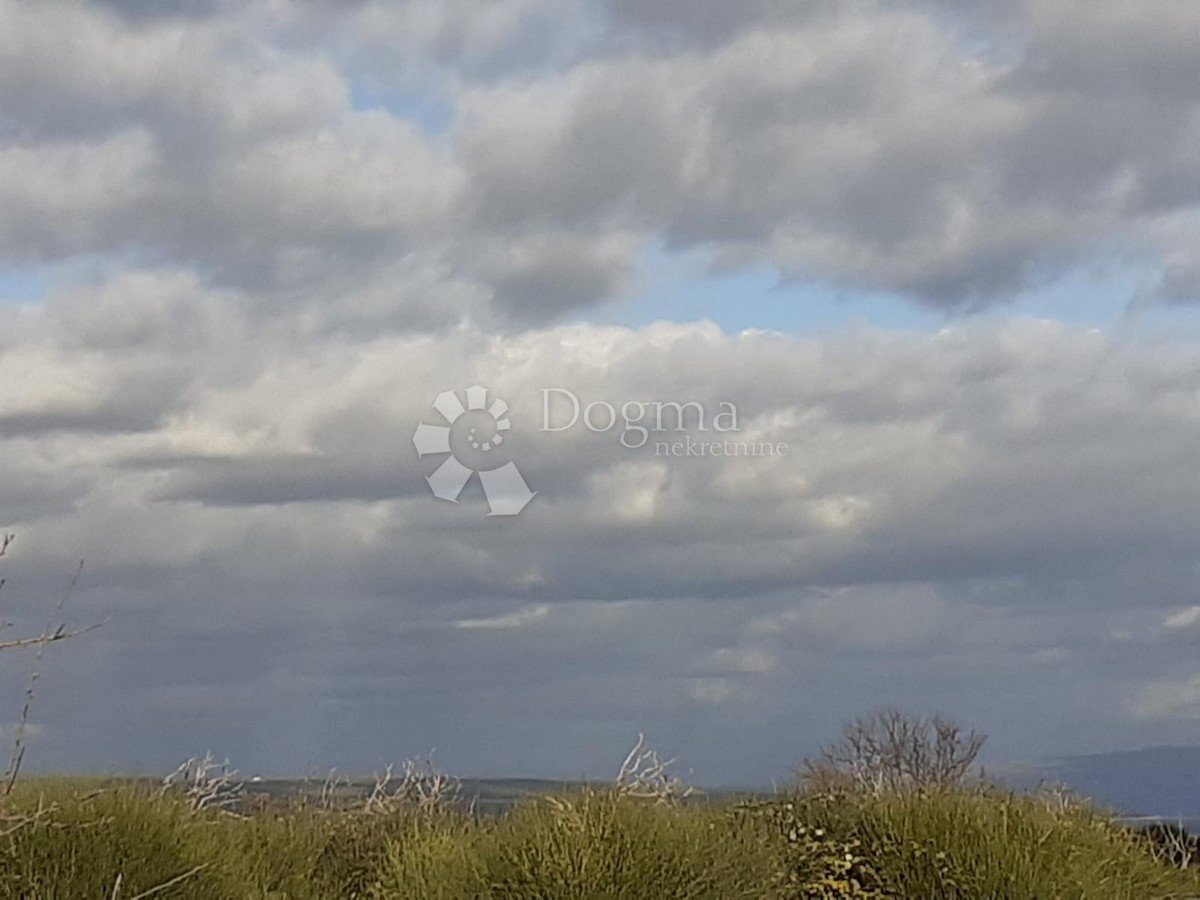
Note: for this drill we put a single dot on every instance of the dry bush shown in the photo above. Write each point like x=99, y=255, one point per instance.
x=643, y=774
x=421, y=787
x=206, y=783
x=1171, y=844
x=890, y=750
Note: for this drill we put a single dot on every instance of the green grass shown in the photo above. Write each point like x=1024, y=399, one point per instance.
x=596, y=844
x=73, y=839
x=970, y=844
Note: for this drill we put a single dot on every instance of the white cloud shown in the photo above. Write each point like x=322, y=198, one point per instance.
x=519, y=619
x=711, y=691
x=1167, y=700
x=747, y=659
x=1185, y=618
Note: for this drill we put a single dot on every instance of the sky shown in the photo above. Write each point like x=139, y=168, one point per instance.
x=944, y=252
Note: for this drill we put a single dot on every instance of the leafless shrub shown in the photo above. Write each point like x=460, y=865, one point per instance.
x=206, y=783
x=890, y=750
x=421, y=787
x=1171, y=844
x=643, y=774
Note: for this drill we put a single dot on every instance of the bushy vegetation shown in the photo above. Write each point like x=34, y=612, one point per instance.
x=966, y=843
x=70, y=840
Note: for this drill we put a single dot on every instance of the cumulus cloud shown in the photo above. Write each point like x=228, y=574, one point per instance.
x=836, y=150
x=952, y=157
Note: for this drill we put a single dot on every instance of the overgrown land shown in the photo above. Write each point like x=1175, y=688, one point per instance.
x=893, y=810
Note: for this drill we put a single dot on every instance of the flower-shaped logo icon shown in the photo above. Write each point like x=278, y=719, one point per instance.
x=473, y=436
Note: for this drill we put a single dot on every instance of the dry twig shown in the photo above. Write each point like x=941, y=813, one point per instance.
x=422, y=787
x=643, y=774
x=51, y=634
x=206, y=783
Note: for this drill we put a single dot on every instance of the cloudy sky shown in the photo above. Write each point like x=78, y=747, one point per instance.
x=945, y=251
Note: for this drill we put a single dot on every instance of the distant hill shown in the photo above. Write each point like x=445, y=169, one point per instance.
x=487, y=796
x=1156, y=781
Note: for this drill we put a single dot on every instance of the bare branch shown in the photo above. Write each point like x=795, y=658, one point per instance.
x=1172, y=845
x=41, y=640
x=421, y=788
x=644, y=774
x=206, y=783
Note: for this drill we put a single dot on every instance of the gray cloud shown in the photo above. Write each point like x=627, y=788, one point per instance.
x=150, y=10
x=959, y=513
x=257, y=286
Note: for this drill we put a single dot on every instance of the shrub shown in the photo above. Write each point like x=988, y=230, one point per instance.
x=432, y=860
x=889, y=750
x=83, y=844
x=79, y=838
x=956, y=843
x=600, y=844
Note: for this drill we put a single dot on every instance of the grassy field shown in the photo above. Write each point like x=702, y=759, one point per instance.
x=84, y=839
